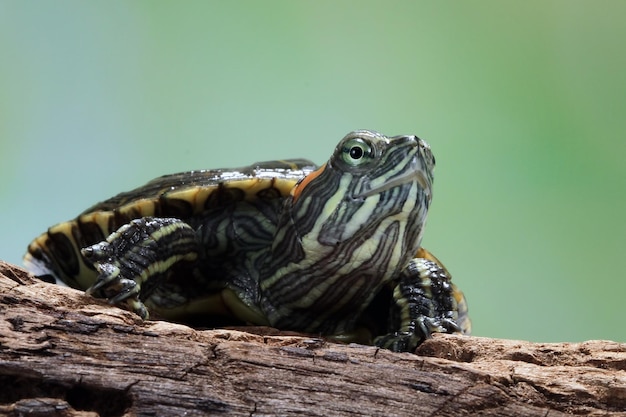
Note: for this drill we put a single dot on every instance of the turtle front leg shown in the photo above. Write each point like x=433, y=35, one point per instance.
x=140, y=251
x=424, y=301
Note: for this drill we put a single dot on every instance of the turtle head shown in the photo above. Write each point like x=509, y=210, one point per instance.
x=371, y=183
x=348, y=228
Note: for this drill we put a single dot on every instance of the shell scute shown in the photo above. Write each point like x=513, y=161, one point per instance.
x=182, y=195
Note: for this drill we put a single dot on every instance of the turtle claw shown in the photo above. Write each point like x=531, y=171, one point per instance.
x=108, y=274
x=403, y=341
x=111, y=283
x=118, y=290
x=399, y=341
x=425, y=302
x=138, y=253
x=451, y=326
x=136, y=307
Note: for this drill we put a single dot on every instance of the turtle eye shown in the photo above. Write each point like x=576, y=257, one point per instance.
x=357, y=152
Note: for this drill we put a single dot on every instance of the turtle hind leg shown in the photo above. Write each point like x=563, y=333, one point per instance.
x=424, y=301
x=139, y=253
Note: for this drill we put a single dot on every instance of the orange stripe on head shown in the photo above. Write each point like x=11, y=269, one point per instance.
x=297, y=190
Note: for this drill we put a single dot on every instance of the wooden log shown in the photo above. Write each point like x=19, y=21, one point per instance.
x=66, y=354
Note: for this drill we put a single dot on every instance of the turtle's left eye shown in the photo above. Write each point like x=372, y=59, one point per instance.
x=357, y=152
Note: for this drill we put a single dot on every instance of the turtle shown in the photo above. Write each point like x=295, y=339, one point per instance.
x=332, y=250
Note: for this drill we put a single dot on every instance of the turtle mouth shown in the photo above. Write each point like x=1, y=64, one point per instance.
x=410, y=175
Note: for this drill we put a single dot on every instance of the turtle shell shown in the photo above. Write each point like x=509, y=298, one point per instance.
x=57, y=253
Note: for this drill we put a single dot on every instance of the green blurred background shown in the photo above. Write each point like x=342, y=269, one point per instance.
x=523, y=104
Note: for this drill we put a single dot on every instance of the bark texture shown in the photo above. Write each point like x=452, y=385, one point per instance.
x=65, y=354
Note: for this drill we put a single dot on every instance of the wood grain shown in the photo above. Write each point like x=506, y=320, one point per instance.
x=65, y=354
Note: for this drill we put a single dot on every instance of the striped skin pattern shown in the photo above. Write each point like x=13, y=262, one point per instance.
x=333, y=250
x=354, y=243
